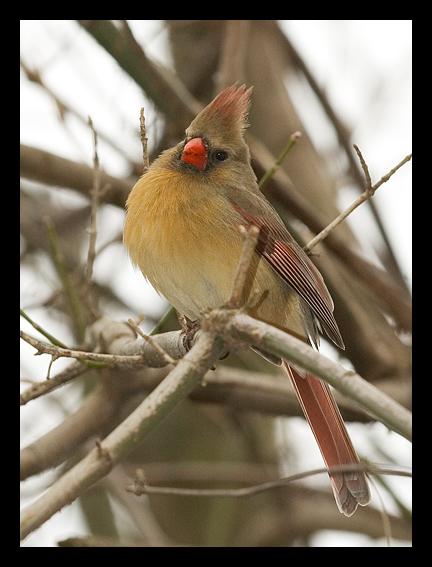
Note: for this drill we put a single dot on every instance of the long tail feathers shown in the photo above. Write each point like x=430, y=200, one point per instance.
x=325, y=420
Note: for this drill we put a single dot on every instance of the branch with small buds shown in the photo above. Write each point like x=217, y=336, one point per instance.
x=367, y=194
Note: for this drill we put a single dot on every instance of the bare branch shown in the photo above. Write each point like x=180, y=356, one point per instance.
x=144, y=353
x=386, y=177
x=141, y=487
x=75, y=305
x=153, y=342
x=380, y=284
x=43, y=348
x=165, y=89
x=127, y=435
x=144, y=141
x=272, y=170
x=233, y=54
x=95, y=414
x=343, y=135
x=91, y=254
x=238, y=287
x=364, y=168
x=42, y=388
x=269, y=339
x=242, y=331
x=39, y=165
x=66, y=109
x=53, y=340
x=367, y=194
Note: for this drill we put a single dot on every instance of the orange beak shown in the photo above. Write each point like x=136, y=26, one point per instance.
x=195, y=153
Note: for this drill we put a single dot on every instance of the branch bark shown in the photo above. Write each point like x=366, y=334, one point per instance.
x=39, y=165
x=393, y=415
x=241, y=331
x=367, y=194
x=127, y=435
x=168, y=93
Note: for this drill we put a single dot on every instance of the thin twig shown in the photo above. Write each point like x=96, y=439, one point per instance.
x=60, y=264
x=367, y=194
x=238, y=287
x=110, y=359
x=381, y=285
x=141, y=487
x=364, y=168
x=144, y=141
x=386, y=177
x=91, y=254
x=125, y=351
x=270, y=172
x=42, y=331
x=343, y=134
x=169, y=359
x=42, y=388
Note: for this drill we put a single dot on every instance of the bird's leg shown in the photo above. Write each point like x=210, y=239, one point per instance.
x=189, y=329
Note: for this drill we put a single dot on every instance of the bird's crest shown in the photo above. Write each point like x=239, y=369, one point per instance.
x=231, y=104
x=230, y=107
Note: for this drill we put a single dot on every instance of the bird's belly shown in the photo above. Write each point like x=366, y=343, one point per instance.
x=189, y=252
x=193, y=276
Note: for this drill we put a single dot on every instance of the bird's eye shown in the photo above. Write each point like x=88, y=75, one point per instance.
x=221, y=155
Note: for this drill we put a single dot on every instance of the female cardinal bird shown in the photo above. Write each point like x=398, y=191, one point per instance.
x=182, y=232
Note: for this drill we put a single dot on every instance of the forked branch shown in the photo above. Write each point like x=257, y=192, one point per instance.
x=367, y=194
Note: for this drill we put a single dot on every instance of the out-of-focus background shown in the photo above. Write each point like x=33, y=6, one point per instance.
x=337, y=81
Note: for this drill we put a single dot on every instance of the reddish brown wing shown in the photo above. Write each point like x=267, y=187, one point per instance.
x=288, y=260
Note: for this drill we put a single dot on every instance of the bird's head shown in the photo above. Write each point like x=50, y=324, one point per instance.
x=215, y=138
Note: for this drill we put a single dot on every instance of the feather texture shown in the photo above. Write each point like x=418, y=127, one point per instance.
x=322, y=413
x=289, y=261
x=182, y=231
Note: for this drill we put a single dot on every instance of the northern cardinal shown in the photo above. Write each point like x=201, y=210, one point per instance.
x=182, y=232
